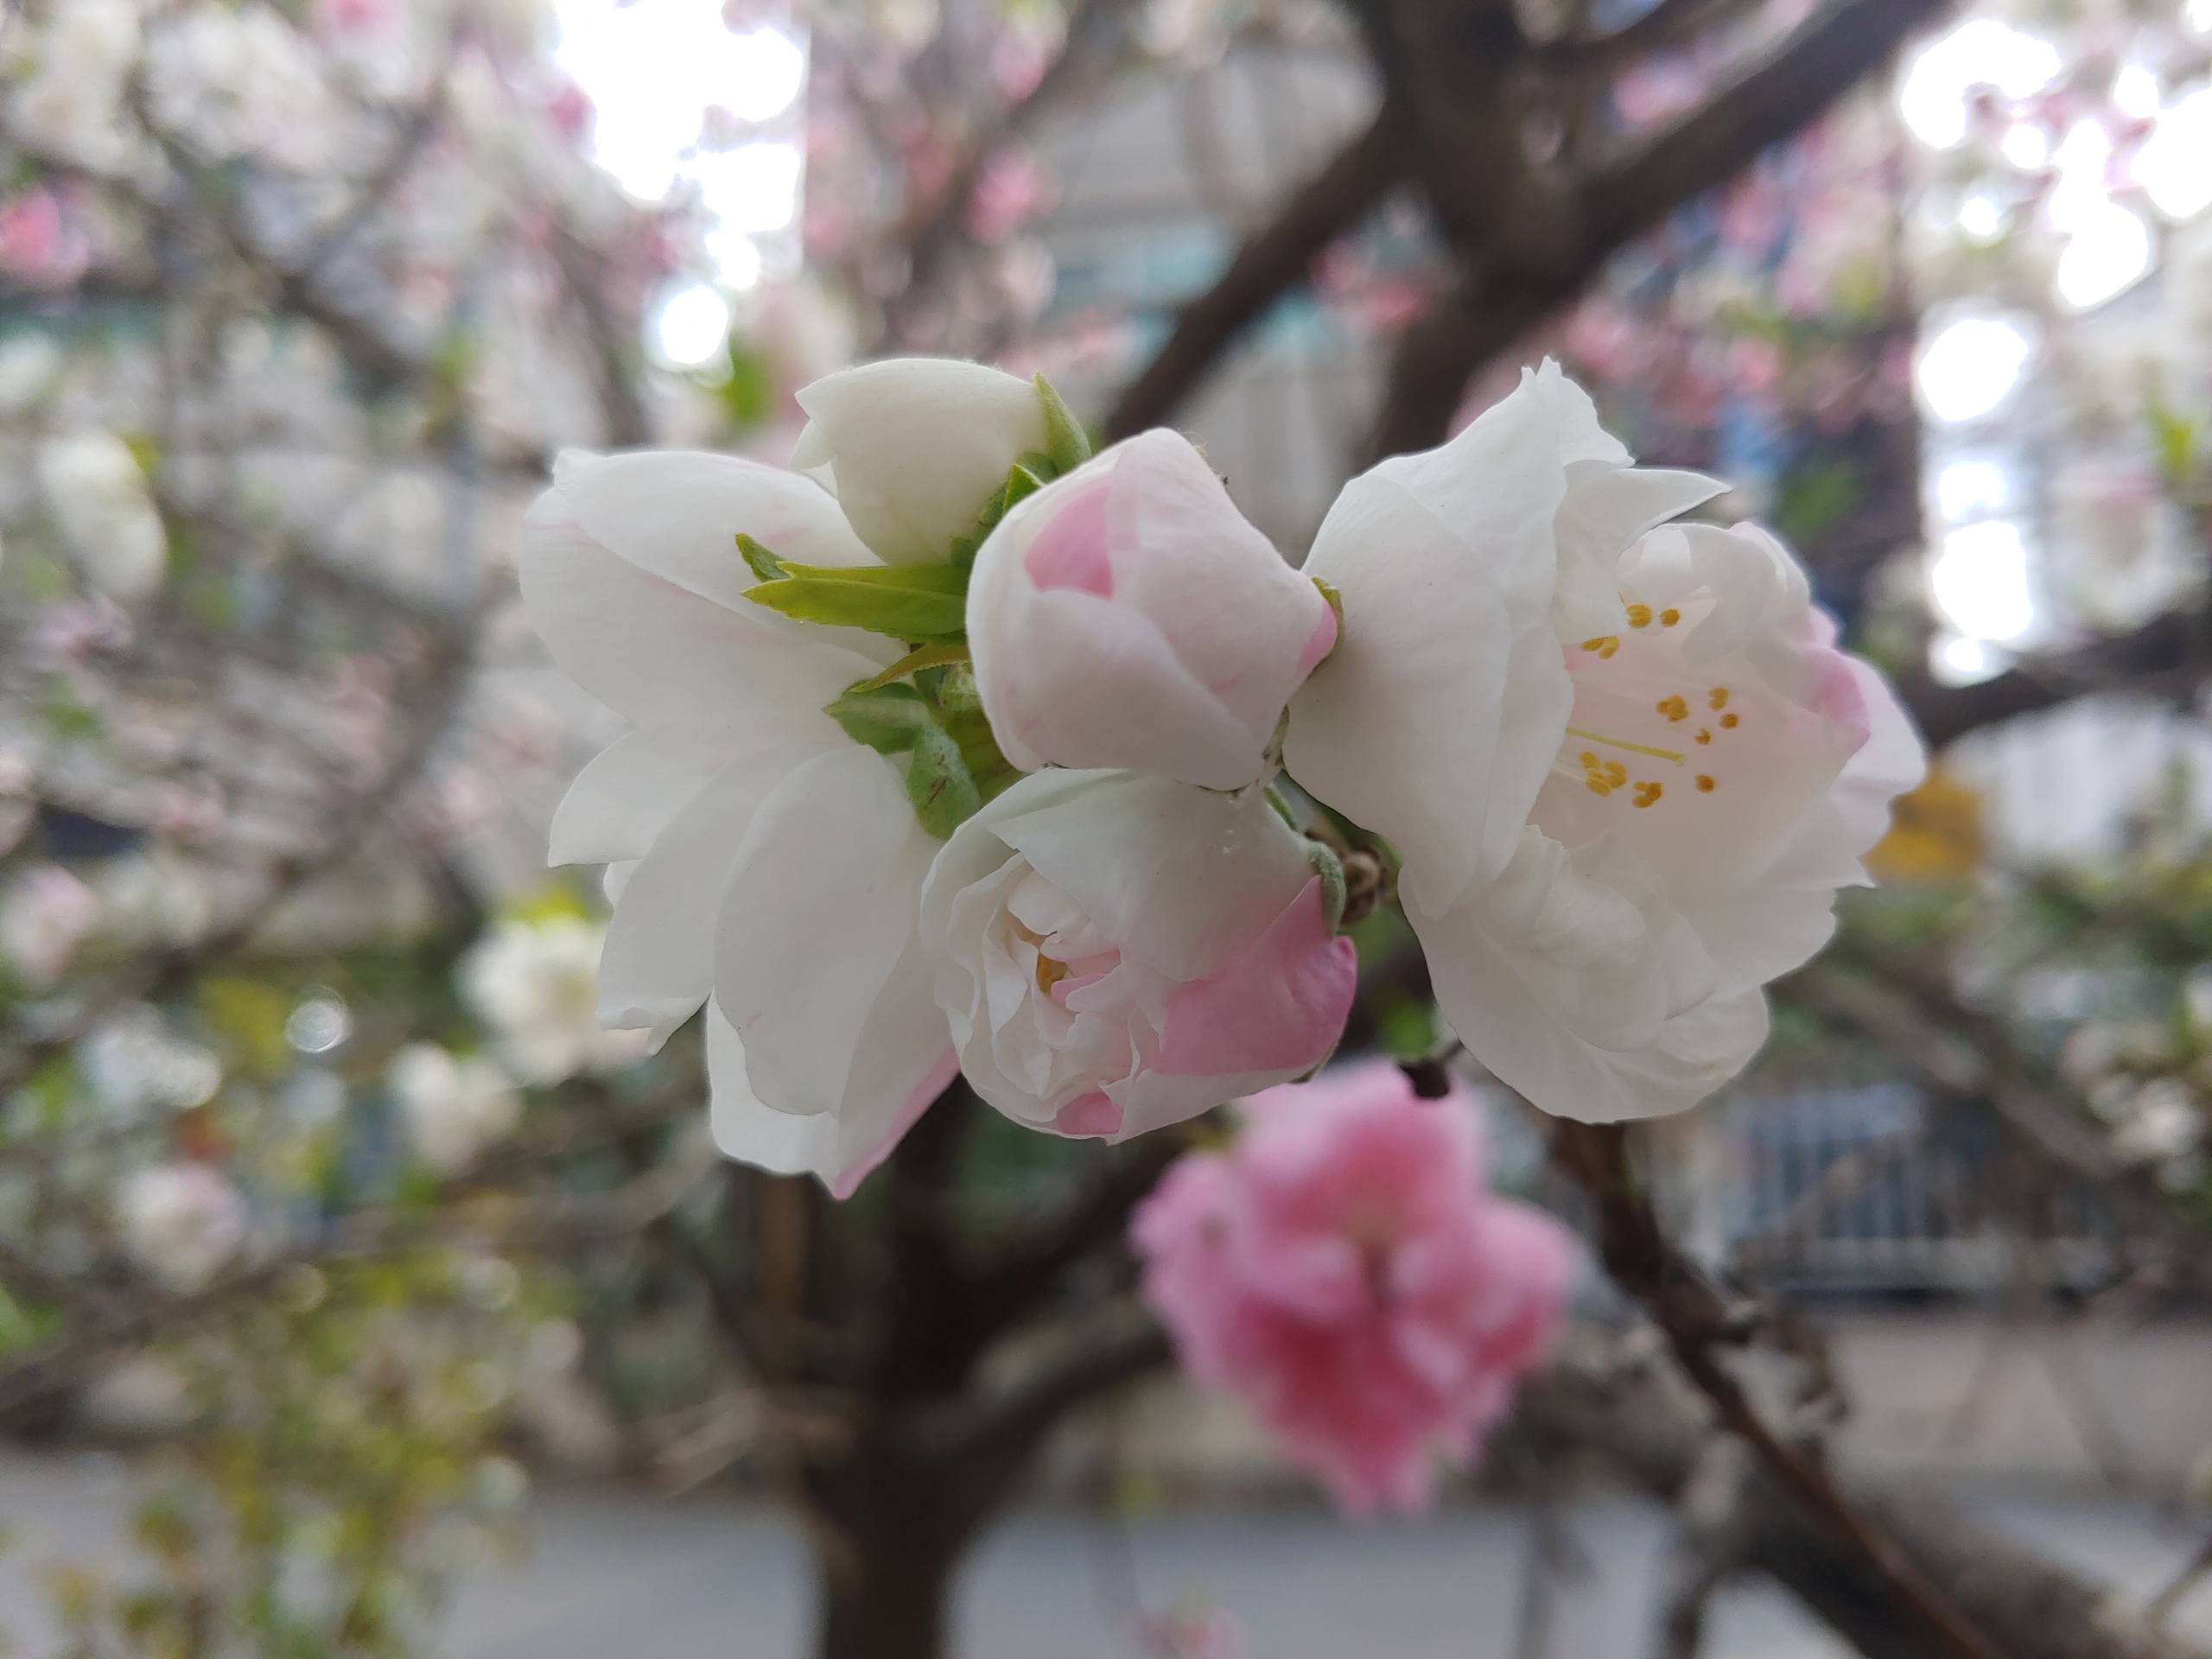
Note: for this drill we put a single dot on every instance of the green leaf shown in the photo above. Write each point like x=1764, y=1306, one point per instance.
x=2176, y=437
x=906, y=613
x=889, y=719
x=939, y=579
x=763, y=563
x=1022, y=483
x=938, y=784
x=1065, y=439
x=937, y=656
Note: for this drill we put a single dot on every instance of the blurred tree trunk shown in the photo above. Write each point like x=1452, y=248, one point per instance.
x=885, y=1553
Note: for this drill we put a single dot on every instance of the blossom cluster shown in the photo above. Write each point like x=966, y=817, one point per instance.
x=958, y=747
x=1345, y=1268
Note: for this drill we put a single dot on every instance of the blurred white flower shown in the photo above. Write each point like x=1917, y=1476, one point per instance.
x=536, y=986
x=2163, y=1124
x=44, y=916
x=134, y=1065
x=229, y=84
x=73, y=101
x=182, y=1223
x=105, y=509
x=154, y=898
x=455, y=1108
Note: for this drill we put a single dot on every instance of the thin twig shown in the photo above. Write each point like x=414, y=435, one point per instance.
x=1695, y=1318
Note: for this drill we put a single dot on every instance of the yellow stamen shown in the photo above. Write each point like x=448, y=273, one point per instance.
x=1649, y=794
x=1705, y=785
x=1673, y=708
x=1730, y=723
x=1703, y=735
x=1718, y=697
x=1050, y=972
x=1675, y=755
x=1604, y=645
x=1669, y=617
x=1639, y=616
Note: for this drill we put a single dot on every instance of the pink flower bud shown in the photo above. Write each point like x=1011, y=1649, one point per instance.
x=1129, y=616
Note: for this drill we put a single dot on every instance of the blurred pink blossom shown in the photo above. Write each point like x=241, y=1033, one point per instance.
x=44, y=916
x=347, y=17
x=1012, y=190
x=37, y=246
x=1345, y=1269
x=1208, y=1633
x=79, y=629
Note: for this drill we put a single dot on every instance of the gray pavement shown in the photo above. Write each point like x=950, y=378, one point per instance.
x=626, y=1575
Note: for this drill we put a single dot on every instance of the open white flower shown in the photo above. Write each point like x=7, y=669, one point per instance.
x=535, y=985
x=44, y=914
x=182, y=1224
x=1128, y=615
x=105, y=509
x=230, y=82
x=1619, y=818
x=73, y=101
x=454, y=1108
x=765, y=859
x=913, y=448
x=1120, y=952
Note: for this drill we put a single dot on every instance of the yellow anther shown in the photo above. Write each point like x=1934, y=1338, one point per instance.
x=1604, y=645
x=1705, y=785
x=1673, y=708
x=1649, y=794
x=1639, y=616
x=1050, y=972
x=1669, y=617
x=1616, y=773
x=1730, y=723
x=1589, y=760
x=1718, y=697
x=1598, y=785
x=1705, y=734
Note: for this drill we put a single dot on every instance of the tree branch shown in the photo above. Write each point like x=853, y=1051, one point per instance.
x=1272, y=263
x=1774, y=96
x=1694, y=1317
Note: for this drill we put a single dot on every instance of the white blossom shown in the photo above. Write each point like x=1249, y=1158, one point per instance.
x=454, y=1108
x=105, y=509
x=535, y=985
x=182, y=1223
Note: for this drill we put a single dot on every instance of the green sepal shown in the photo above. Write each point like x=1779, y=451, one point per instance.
x=910, y=602
x=1334, y=892
x=1066, y=442
x=940, y=655
x=1335, y=602
x=763, y=563
x=889, y=719
x=939, y=784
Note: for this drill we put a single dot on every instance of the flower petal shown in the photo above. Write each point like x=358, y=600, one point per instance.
x=657, y=652
x=677, y=514
x=816, y=917
x=658, y=964
x=631, y=790
x=840, y=1148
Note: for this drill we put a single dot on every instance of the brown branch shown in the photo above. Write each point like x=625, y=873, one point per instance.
x=990, y=1441
x=1772, y=98
x=938, y=229
x=1645, y=1424
x=1695, y=1319
x=1271, y=264
x=1668, y=23
x=2168, y=656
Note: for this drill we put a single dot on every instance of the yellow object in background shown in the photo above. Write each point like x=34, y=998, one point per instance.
x=1936, y=833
